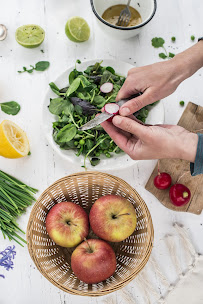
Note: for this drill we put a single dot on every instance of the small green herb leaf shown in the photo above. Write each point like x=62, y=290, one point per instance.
x=66, y=134
x=29, y=153
x=78, y=61
x=158, y=42
x=10, y=108
x=57, y=105
x=54, y=88
x=173, y=39
x=171, y=55
x=162, y=55
x=42, y=66
x=182, y=103
x=95, y=161
x=192, y=37
x=73, y=87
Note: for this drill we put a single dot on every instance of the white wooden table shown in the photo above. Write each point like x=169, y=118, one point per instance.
x=181, y=18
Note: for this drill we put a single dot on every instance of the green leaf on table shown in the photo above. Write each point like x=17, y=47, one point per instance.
x=54, y=88
x=66, y=134
x=10, y=107
x=42, y=66
x=74, y=86
x=158, y=42
x=162, y=55
x=94, y=161
x=171, y=55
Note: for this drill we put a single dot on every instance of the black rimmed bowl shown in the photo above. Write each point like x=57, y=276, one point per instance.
x=146, y=8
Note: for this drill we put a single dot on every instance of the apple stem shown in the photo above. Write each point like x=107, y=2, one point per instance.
x=88, y=245
x=123, y=214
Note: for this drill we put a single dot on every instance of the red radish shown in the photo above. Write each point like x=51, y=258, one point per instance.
x=179, y=195
x=111, y=108
x=106, y=87
x=162, y=180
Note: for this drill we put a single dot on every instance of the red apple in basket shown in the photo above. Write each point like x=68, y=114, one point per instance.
x=93, y=261
x=67, y=224
x=113, y=218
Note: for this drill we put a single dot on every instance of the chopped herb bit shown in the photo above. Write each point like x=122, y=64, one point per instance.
x=162, y=55
x=171, y=55
x=29, y=153
x=182, y=103
x=78, y=61
x=173, y=39
x=158, y=42
x=39, y=66
x=42, y=51
x=192, y=37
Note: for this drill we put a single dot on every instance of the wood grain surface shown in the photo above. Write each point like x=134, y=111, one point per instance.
x=192, y=120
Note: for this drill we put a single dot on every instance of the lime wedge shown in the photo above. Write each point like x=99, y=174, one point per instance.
x=30, y=36
x=77, y=29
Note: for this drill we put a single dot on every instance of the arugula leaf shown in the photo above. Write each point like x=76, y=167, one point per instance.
x=54, y=88
x=162, y=55
x=158, y=42
x=10, y=107
x=66, y=134
x=42, y=66
x=73, y=87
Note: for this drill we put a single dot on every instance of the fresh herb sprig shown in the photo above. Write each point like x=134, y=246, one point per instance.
x=10, y=107
x=39, y=66
x=15, y=197
x=159, y=42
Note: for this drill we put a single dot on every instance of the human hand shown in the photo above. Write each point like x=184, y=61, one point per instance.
x=159, y=80
x=151, y=142
x=155, y=81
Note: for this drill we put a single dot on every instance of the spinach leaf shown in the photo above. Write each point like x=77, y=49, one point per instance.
x=42, y=65
x=10, y=107
x=71, y=76
x=57, y=105
x=66, y=134
x=84, y=81
x=68, y=108
x=73, y=87
x=99, y=100
x=110, y=69
x=54, y=88
x=78, y=109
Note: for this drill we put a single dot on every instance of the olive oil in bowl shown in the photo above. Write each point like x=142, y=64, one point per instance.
x=112, y=14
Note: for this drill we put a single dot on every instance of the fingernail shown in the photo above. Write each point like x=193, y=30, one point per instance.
x=117, y=119
x=125, y=111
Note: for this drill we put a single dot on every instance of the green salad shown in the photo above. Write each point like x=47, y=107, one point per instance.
x=78, y=103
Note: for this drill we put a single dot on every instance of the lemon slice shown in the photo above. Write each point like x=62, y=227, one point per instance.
x=30, y=36
x=13, y=140
x=77, y=29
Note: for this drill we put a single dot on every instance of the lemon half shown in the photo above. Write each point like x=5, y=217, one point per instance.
x=13, y=140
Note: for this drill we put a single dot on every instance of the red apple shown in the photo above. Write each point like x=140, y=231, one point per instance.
x=67, y=224
x=93, y=261
x=113, y=218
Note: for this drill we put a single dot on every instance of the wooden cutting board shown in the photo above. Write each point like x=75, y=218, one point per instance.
x=192, y=120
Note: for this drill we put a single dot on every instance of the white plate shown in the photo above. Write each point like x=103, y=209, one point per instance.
x=117, y=161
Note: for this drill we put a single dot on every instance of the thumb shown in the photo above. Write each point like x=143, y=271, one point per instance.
x=137, y=103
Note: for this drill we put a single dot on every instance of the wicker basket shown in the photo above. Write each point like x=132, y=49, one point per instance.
x=53, y=261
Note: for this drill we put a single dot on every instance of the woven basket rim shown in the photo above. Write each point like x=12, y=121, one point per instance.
x=116, y=286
